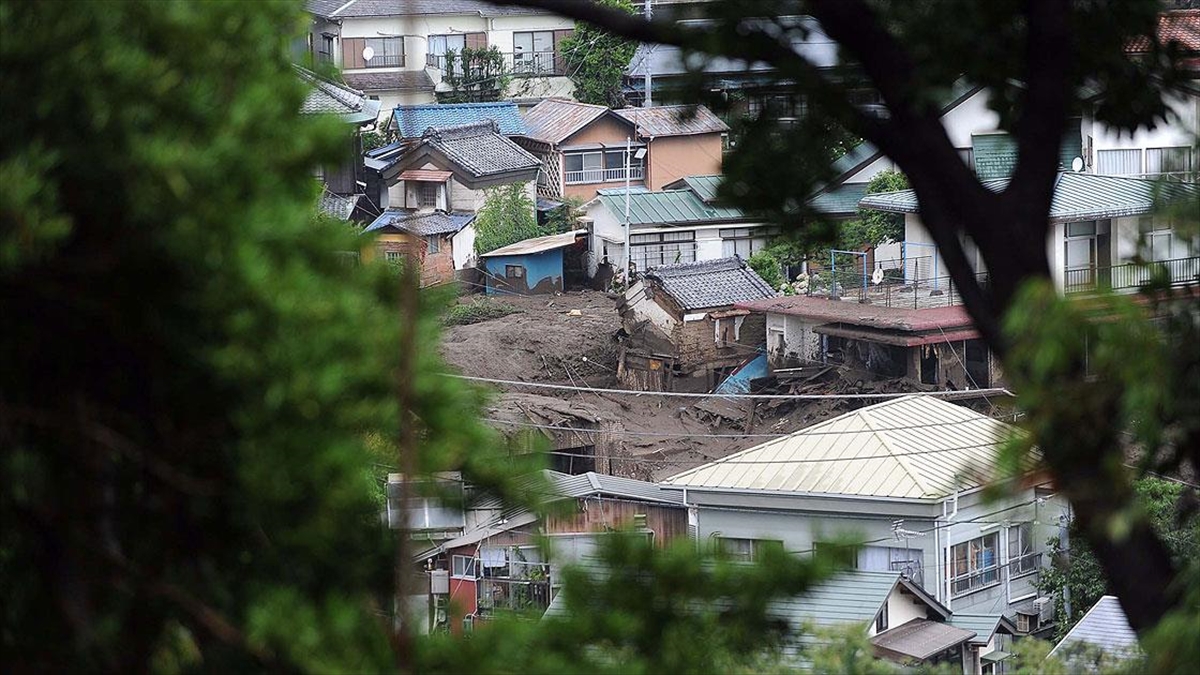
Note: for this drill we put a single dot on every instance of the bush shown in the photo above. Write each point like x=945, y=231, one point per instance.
x=477, y=311
x=507, y=217
x=768, y=267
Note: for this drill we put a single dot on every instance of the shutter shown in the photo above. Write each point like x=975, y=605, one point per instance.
x=560, y=64
x=352, y=53
x=477, y=41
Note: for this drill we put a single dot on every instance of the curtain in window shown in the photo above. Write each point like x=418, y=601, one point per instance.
x=1118, y=162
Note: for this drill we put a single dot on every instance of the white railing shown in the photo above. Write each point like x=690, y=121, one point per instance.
x=603, y=175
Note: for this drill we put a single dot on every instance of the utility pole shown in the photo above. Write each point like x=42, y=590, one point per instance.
x=646, y=70
x=628, y=161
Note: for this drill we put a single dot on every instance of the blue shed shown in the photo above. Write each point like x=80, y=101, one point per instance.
x=529, y=267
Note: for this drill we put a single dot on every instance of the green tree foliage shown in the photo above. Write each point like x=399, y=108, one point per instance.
x=191, y=370
x=565, y=217
x=1076, y=569
x=872, y=227
x=474, y=75
x=768, y=266
x=507, y=216
x=596, y=60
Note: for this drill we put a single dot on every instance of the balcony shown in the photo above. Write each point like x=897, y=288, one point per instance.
x=587, y=176
x=386, y=61
x=1129, y=276
x=534, y=64
x=438, y=61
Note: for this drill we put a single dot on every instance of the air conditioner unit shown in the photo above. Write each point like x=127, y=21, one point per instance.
x=1045, y=610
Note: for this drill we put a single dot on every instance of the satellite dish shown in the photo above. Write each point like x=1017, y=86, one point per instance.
x=1077, y=164
x=877, y=276
x=368, y=53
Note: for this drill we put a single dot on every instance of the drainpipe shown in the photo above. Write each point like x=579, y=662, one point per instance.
x=949, y=520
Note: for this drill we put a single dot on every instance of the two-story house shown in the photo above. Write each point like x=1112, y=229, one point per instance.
x=340, y=182
x=396, y=51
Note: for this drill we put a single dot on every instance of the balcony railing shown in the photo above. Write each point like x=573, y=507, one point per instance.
x=439, y=61
x=603, y=175
x=386, y=61
x=535, y=64
x=1174, y=272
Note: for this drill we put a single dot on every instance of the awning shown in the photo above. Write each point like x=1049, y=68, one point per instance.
x=899, y=339
x=994, y=656
x=428, y=175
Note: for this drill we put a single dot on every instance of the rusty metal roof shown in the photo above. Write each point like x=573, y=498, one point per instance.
x=873, y=316
x=555, y=120
x=674, y=120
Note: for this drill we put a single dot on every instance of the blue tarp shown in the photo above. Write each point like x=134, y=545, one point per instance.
x=739, y=381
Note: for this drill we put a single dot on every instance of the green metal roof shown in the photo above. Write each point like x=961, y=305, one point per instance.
x=1077, y=197
x=669, y=208
x=705, y=187
x=840, y=201
x=983, y=625
x=995, y=154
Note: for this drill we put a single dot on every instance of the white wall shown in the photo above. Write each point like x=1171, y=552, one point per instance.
x=1180, y=130
x=901, y=610
x=463, y=246
x=642, y=308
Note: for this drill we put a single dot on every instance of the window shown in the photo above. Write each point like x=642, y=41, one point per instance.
x=745, y=241
x=974, y=564
x=1161, y=242
x=514, y=271
x=775, y=106
x=325, y=52
x=1021, y=558
x=1119, y=162
x=389, y=52
x=440, y=44
x=881, y=620
x=600, y=167
x=433, y=244
x=393, y=256
x=666, y=248
x=1176, y=162
x=427, y=195
x=1023, y=623
x=1079, y=251
x=746, y=550
x=533, y=53
x=464, y=567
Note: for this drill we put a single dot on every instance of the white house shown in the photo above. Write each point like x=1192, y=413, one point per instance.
x=407, y=44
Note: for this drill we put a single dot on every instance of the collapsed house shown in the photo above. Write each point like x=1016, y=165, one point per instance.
x=682, y=330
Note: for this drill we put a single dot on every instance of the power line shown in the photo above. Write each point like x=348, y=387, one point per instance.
x=784, y=397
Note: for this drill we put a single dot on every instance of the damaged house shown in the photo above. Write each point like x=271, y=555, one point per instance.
x=683, y=332
x=936, y=346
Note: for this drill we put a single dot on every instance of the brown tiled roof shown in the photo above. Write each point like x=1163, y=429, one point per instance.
x=834, y=311
x=1181, y=25
x=555, y=120
x=396, y=80
x=674, y=120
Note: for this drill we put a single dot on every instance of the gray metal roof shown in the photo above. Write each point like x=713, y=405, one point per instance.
x=554, y=120
x=400, y=80
x=669, y=207
x=983, y=625
x=411, y=121
x=808, y=40
x=420, y=223
x=592, y=483
x=1104, y=626
x=1077, y=196
x=674, y=120
x=480, y=149
x=853, y=596
x=536, y=244
x=913, y=447
x=330, y=98
x=710, y=283
x=921, y=638
x=343, y=9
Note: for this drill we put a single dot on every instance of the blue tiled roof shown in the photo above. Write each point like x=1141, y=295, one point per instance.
x=421, y=223
x=412, y=120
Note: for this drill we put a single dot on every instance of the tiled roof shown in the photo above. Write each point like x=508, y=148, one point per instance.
x=873, y=316
x=342, y=9
x=913, y=447
x=1104, y=626
x=674, y=120
x=1077, y=196
x=1181, y=25
x=412, y=120
x=554, y=120
x=421, y=223
x=480, y=149
x=669, y=207
x=537, y=244
x=711, y=283
x=330, y=98
x=399, y=80
x=336, y=205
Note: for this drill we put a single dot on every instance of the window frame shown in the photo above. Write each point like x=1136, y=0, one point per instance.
x=514, y=271
x=427, y=194
x=470, y=571
x=753, y=547
x=433, y=244
x=1022, y=564
x=383, y=57
x=976, y=575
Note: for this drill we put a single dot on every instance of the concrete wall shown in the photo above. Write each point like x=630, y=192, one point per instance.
x=436, y=268
x=673, y=157
x=543, y=273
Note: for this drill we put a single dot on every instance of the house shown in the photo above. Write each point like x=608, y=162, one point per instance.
x=1098, y=223
x=906, y=477
x=441, y=243
x=1103, y=629
x=530, y=267
x=341, y=192
x=926, y=345
x=485, y=559
x=584, y=146
x=683, y=331
x=683, y=223
x=411, y=121
x=397, y=51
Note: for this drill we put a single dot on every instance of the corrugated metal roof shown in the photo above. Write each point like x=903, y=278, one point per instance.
x=840, y=201
x=592, y=483
x=674, y=120
x=554, y=120
x=808, y=40
x=344, y=9
x=413, y=120
x=537, y=244
x=669, y=207
x=1077, y=196
x=850, y=597
x=983, y=625
x=1105, y=626
x=914, y=447
x=705, y=187
x=995, y=153
x=921, y=638
x=710, y=283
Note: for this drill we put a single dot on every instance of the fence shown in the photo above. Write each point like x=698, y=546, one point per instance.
x=1174, y=272
x=603, y=175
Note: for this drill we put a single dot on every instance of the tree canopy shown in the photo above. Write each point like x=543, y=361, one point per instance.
x=596, y=60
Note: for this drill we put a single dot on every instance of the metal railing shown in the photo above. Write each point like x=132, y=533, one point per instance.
x=386, y=61
x=973, y=581
x=893, y=291
x=1024, y=564
x=439, y=61
x=532, y=64
x=1174, y=272
x=603, y=175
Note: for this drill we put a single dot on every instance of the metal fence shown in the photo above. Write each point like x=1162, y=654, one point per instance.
x=1174, y=272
